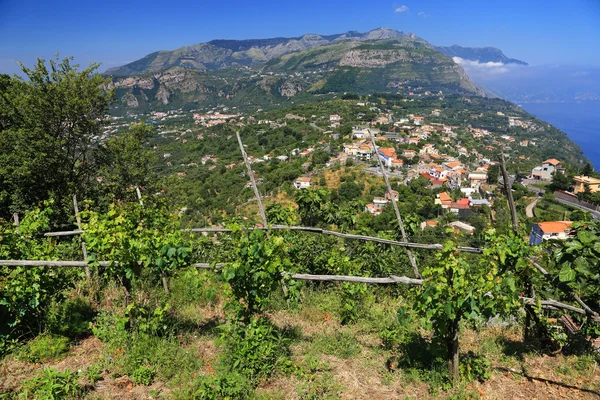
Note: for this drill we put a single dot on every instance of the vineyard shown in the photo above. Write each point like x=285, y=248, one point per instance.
x=144, y=285
x=108, y=289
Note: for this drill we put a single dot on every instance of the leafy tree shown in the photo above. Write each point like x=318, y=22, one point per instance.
x=125, y=162
x=48, y=122
x=350, y=191
x=579, y=260
x=559, y=182
x=587, y=170
x=320, y=157
x=492, y=174
x=309, y=205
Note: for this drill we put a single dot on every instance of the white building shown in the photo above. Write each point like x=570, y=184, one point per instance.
x=303, y=182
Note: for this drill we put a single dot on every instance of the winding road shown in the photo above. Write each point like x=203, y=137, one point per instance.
x=529, y=209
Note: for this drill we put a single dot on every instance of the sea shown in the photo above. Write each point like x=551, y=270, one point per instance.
x=580, y=121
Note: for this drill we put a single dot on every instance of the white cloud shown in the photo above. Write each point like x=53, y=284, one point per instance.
x=422, y=14
x=401, y=9
x=489, y=67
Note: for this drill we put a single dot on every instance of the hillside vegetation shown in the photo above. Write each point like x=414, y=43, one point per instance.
x=168, y=280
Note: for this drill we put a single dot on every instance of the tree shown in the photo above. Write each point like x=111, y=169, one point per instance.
x=48, y=122
x=492, y=175
x=350, y=191
x=125, y=162
x=587, y=170
x=320, y=157
x=309, y=205
x=559, y=182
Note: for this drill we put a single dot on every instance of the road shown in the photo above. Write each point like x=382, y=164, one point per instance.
x=529, y=209
x=540, y=192
x=595, y=214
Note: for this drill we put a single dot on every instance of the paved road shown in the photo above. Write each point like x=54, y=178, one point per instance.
x=529, y=209
x=595, y=214
x=539, y=191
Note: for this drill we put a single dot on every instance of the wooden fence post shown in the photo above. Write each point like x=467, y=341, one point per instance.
x=139, y=195
x=412, y=259
x=261, y=209
x=17, y=222
x=88, y=275
x=509, y=196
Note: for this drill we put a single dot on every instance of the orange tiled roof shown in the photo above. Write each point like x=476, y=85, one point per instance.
x=387, y=151
x=552, y=161
x=453, y=164
x=444, y=197
x=554, y=226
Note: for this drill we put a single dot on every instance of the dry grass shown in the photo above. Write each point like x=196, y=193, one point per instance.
x=517, y=371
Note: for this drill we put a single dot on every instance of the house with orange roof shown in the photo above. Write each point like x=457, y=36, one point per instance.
x=304, y=182
x=387, y=155
x=461, y=207
x=428, y=224
x=394, y=192
x=410, y=154
x=543, y=231
x=547, y=169
x=452, y=164
x=377, y=206
x=444, y=200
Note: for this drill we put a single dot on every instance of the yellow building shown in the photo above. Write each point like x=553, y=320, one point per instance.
x=582, y=182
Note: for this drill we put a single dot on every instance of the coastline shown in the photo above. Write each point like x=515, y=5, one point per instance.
x=580, y=121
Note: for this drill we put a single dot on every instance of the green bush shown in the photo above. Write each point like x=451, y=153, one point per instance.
x=43, y=348
x=52, y=384
x=70, y=318
x=224, y=386
x=254, y=350
x=474, y=367
x=143, y=375
x=193, y=286
x=111, y=327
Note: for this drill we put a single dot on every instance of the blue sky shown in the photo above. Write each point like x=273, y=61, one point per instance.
x=116, y=32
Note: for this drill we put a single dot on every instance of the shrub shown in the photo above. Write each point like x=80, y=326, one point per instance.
x=143, y=375
x=43, y=348
x=70, y=318
x=52, y=384
x=475, y=367
x=224, y=386
x=253, y=350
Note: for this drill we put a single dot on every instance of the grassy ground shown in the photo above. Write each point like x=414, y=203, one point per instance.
x=327, y=360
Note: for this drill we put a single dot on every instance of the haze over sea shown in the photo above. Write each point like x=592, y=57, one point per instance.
x=580, y=121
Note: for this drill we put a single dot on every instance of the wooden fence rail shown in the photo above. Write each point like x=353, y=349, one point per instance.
x=392, y=279
x=425, y=246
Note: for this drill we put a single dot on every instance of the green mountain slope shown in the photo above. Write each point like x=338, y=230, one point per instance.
x=397, y=65
x=218, y=54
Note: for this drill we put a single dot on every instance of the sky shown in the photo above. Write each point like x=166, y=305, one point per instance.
x=541, y=32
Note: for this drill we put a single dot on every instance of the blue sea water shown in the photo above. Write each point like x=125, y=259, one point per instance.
x=580, y=121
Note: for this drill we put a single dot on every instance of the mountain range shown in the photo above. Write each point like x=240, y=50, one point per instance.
x=218, y=54
x=261, y=72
